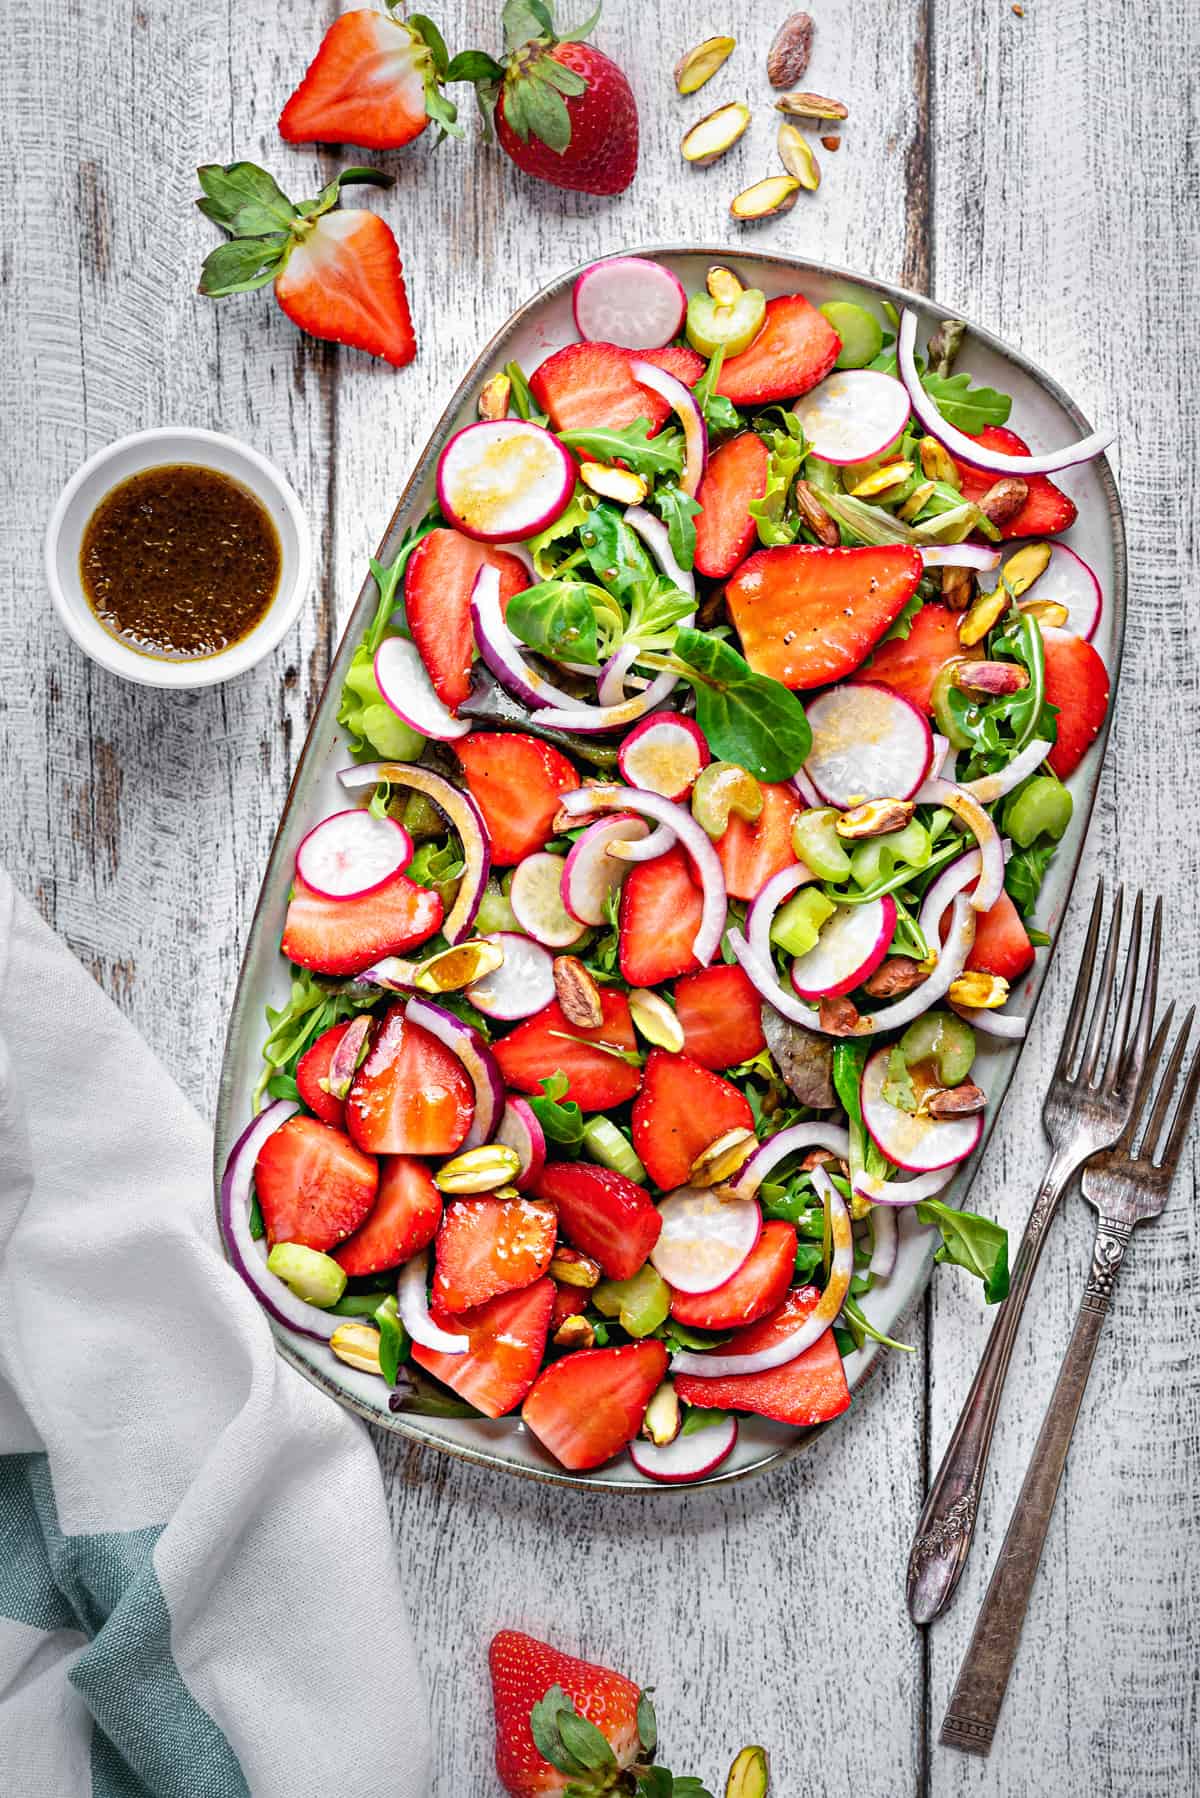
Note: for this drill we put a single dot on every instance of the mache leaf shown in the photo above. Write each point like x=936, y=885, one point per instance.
x=746, y=717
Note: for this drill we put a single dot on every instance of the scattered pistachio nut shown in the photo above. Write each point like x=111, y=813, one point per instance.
x=958, y=588
x=838, y=1017
x=1021, y=570
x=577, y=993
x=765, y=199
x=455, y=968
x=619, y=484
x=821, y=1158
x=945, y=344
x=811, y=106
x=822, y=526
x=722, y=1157
x=937, y=464
x=795, y=153
x=874, y=818
x=750, y=1774
x=915, y=502
x=663, y=1417
x=723, y=285
x=494, y=396
x=655, y=1019
x=987, y=611
x=895, y=976
x=791, y=48
x=358, y=1346
x=697, y=66
x=881, y=480
x=570, y=1268
x=963, y=1101
x=982, y=992
x=715, y=134
x=996, y=680
x=1003, y=500
x=479, y=1170
x=1048, y=612
x=575, y=1332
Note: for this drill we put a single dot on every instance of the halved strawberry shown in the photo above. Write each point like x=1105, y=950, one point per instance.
x=366, y=85
x=759, y=1286
x=516, y=781
x=312, y=1068
x=910, y=665
x=679, y=359
x=811, y=1389
x=313, y=1185
x=548, y=1043
x=589, y=386
x=344, y=936
x=1002, y=944
x=658, y=919
x=589, y=1406
x=721, y=1014
x=751, y=853
x=411, y=1096
x=345, y=281
x=402, y=1221
x=1077, y=683
x=508, y=1340
x=437, y=604
x=1046, y=511
x=486, y=1246
x=808, y=616
x=681, y=1108
x=796, y=348
x=603, y=1214
x=523, y=1671
x=736, y=475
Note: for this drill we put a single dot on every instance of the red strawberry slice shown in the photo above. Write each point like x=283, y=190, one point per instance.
x=508, y=1340
x=681, y=1108
x=517, y=782
x=759, y=1286
x=344, y=936
x=811, y=1389
x=345, y=281
x=402, y=1222
x=796, y=348
x=808, y=616
x=1002, y=944
x=437, y=603
x=1046, y=511
x=589, y=1406
x=548, y=1043
x=589, y=386
x=569, y=1301
x=523, y=1671
x=411, y=1096
x=366, y=85
x=1077, y=683
x=736, y=475
x=658, y=919
x=910, y=665
x=721, y=1015
x=603, y=1214
x=313, y=1068
x=313, y=1185
x=751, y=853
x=487, y=1245
x=678, y=360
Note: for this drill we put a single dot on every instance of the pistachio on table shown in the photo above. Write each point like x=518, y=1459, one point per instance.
x=697, y=66
x=791, y=49
x=797, y=158
x=765, y=198
x=811, y=106
x=715, y=134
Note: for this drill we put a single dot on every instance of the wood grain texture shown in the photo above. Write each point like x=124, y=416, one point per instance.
x=985, y=159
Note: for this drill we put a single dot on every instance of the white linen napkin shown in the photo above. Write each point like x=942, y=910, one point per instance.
x=199, y=1592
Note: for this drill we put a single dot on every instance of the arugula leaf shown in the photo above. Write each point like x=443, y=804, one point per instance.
x=902, y=627
x=998, y=729
x=977, y=1243
x=861, y=1325
x=746, y=717
x=721, y=416
x=787, y=452
x=633, y=445
x=970, y=408
x=565, y=525
x=556, y=617
x=849, y=1059
x=677, y=511
x=1025, y=872
x=563, y=1124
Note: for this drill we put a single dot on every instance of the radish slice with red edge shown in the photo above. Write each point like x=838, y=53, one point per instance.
x=406, y=687
x=663, y=754
x=689, y=1457
x=629, y=301
x=704, y=1239
x=412, y=1302
x=885, y=1242
x=803, y=785
x=521, y=985
x=915, y=1143
x=867, y=743
x=847, y=951
x=462, y=812
x=968, y=811
x=249, y=1258
x=352, y=853
x=520, y=1130
x=465, y=1041
x=899, y=1193
x=590, y=875
x=959, y=444
x=686, y=407
x=761, y=915
x=959, y=555
x=1068, y=581
x=504, y=477
x=853, y=415
x=814, y=1134
x=535, y=894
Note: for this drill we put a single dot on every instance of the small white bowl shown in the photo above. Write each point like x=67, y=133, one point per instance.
x=155, y=449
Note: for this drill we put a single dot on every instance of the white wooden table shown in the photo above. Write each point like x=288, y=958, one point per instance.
x=1031, y=171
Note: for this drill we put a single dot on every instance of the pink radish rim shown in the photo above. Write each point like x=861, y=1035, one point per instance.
x=525, y=947
x=519, y=1129
x=463, y=814
x=718, y=1440
x=845, y=374
x=511, y=427
x=445, y=728
x=641, y=264
x=876, y=687
x=664, y=721
x=404, y=848
x=911, y=1167
x=887, y=930
x=593, y=845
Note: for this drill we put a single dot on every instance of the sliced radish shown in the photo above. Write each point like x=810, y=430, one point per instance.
x=521, y=985
x=352, y=853
x=688, y=1457
x=761, y=915
x=704, y=1239
x=1068, y=581
x=853, y=415
x=590, y=874
x=915, y=1143
x=464, y=815
x=520, y=1130
x=412, y=1302
x=629, y=301
x=536, y=898
x=465, y=1041
x=686, y=407
x=664, y=754
x=849, y=949
x=812, y=1135
x=406, y=687
x=867, y=743
x=504, y=477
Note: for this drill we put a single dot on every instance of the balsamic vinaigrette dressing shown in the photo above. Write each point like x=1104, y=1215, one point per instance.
x=180, y=562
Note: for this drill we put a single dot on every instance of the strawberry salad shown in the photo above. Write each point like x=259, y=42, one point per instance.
x=705, y=756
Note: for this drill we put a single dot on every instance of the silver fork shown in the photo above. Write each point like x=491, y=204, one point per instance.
x=1125, y=1189
x=1086, y=1109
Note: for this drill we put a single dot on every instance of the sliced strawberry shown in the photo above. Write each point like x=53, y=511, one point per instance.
x=659, y=917
x=437, y=603
x=795, y=349
x=508, y=1340
x=402, y=1222
x=516, y=781
x=759, y=1286
x=1002, y=944
x=808, y=616
x=486, y=1246
x=1046, y=511
x=345, y=281
x=603, y=1214
x=1077, y=683
x=523, y=1671
x=721, y=1014
x=751, y=853
x=569, y=1301
x=365, y=85
x=313, y=1185
x=344, y=936
x=736, y=475
x=547, y=1043
x=910, y=665
x=589, y=386
x=313, y=1068
x=411, y=1096
x=811, y=1389
x=589, y=1406
x=678, y=359
x=681, y=1108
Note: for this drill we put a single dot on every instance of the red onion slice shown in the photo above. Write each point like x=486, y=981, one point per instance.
x=686, y=407
x=610, y=689
x=949, y=883
x=899, y=1193
x=464, y=815
x=249, y=1257
x=654, y=534
x=959, y=555
x=501, y=651
x=412, y=1302
x=465, y=1042
x=647, y=850
x=885, y=1241
x=969, y=811
x=1001, y=1024
x=811, y=1135
x=393, y=974
x=761, y=915
x=350, y=1051
x=990, y=787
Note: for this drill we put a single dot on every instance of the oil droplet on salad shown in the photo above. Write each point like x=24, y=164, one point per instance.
x=180, y=562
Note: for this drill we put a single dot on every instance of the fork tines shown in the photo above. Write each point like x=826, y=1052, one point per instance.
x=1082, y=1061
